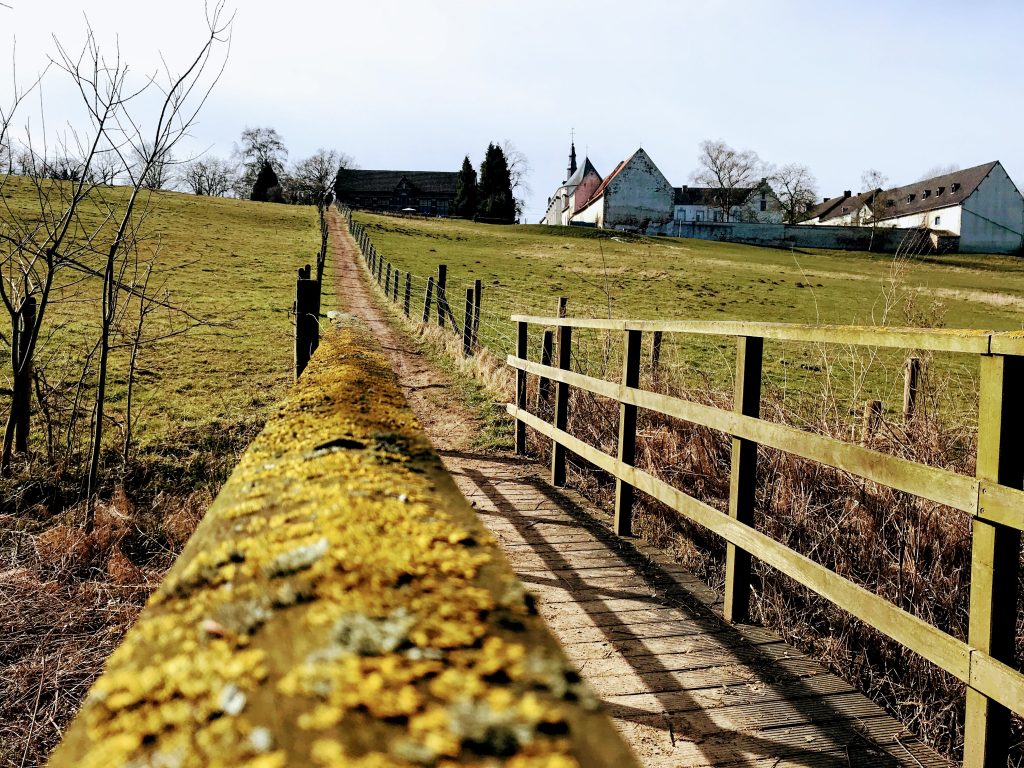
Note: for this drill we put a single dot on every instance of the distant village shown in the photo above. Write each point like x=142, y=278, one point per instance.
x=974, y=210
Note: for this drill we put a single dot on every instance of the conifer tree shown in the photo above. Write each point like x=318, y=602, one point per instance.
x=267, y=187
x=495, y=200
x=465, y=201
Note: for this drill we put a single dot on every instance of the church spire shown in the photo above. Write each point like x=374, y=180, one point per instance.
x=572, y=160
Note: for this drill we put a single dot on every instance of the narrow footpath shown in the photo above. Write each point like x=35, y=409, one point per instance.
x=685, y=688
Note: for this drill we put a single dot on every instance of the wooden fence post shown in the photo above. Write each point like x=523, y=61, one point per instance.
x=743, y=478
x=467, y=325
x=442, y=282
x=871, y=421
x=655, y=355
x=544, y=385
x=394, y=287
x=307, y=320
x=407, y=304
x=521, y=352
x=911, y=374
x=387, y=282
x=627, y=433
x=477, y=297
x=23, y=373
x=995, y=554
x=561, y=415
x=426, y=299
x=380, y=267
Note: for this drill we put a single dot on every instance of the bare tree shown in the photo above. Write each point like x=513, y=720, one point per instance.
x=157, y=174
x=518, y=171
x=86, y=229
x=796, y=188
x=211, y=176
x=724, y=169
x=873, y=180
x=312, y=183
x=939, y=170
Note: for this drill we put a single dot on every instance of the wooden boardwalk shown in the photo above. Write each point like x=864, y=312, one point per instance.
x=685, y=688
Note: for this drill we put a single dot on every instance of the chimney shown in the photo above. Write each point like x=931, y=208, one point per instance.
x=825, y=199
x=846, y=193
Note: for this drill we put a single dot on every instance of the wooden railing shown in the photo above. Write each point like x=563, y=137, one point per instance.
x=993, y=498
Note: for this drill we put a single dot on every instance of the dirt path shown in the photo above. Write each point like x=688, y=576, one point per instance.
x=447, y=421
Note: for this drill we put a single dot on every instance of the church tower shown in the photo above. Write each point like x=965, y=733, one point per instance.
x=572, y=161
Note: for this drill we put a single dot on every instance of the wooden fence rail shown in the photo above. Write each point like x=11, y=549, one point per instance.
x=993, y=497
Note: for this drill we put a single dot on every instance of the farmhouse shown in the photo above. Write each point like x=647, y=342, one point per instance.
x=427, y=192
x=981, y=205
x=635, y=196
x=576, y=190
x=751, y=204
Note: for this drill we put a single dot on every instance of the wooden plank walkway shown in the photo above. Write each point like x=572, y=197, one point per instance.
x=685, y=688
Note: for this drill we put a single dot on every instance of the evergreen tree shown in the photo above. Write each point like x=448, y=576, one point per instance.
x=494, y=193
x=464, y=204
x=267, y=187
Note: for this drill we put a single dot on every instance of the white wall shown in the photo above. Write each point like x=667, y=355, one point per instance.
x=993, y=217
x=638, y=195
x=592, y=214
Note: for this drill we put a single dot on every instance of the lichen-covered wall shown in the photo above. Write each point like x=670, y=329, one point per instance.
x=340, y=605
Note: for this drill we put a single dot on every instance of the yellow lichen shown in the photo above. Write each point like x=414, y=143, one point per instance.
x=336, y=601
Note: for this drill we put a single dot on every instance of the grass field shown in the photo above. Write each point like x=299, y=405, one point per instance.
x=230, y=263
x=603, y=274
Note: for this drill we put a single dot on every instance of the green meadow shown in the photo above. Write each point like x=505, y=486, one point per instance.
x=524, y=269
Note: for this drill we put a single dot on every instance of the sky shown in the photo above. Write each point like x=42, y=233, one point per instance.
x=902, y=87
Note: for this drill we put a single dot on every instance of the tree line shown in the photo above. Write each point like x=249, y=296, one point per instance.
x=497, y=194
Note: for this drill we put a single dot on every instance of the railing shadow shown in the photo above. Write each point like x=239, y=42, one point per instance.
x=686, y=718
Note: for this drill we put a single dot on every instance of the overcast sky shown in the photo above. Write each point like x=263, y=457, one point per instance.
x=841, y=87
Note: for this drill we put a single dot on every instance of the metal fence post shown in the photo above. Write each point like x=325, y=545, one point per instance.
x=307, y=320
x=426, y=299
x=408, y=293
x=467, y=325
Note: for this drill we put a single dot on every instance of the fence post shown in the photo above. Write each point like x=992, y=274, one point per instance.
x=995, y=554
x=23, y=373
x=394, y=287
x=627, y=433
x=426, y=299
x=467, y=325
x=871, y=421
x=387, y=282
x=911, y=374
x=655, y=355
x=477, y=297
x=442, y=281
x=521, y=351
x=307, y=320
x=561, y=415
x=408, y=293
x=544, y=385
x=743, y=478
x=380, y=266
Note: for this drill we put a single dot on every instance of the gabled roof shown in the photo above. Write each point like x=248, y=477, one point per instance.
x=581, y=172
x=845, y=206
x=711, y=196
x=824, y=208
x=604, y=184
x=377, y=182
x=925, y=195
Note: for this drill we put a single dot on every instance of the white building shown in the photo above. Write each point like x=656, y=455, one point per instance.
x=574, y=191
x=981, y=205
x=748, y=204
x=635, y=196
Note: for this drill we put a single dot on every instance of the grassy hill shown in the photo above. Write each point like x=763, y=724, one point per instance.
x=230, y=264
x=524, y=268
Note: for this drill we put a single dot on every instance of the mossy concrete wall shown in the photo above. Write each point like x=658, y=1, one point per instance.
x=340, y=605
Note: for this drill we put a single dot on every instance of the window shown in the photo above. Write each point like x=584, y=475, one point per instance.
x=700, y=216
x=938, y=220
x=926, y=194
x=764, y=203
x=910, y=199
x=940, y=190
x=954, y=187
